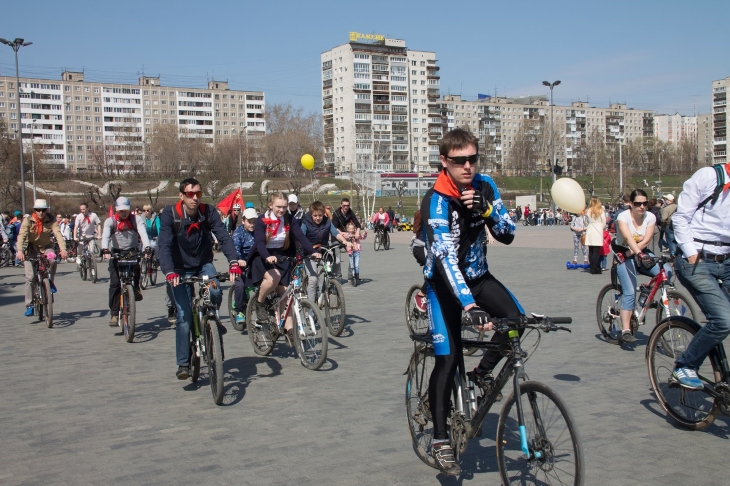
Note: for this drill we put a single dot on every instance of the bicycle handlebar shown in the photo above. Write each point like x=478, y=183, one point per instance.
x=543, y=323
x=205, y=278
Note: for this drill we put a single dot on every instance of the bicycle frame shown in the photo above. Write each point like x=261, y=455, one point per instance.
x=289, y=300
x=654, y=285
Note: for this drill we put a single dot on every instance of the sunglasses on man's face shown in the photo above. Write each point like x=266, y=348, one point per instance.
x=638, y=204
x=192, y=194
x=463, y=159
x=41, y=210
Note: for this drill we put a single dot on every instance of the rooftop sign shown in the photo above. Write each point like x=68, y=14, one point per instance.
x=358, y=37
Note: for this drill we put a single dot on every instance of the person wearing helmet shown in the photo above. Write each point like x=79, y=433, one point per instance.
x=35, y=237
x=233, y=218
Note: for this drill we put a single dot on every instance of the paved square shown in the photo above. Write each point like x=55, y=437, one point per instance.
x=81, y=406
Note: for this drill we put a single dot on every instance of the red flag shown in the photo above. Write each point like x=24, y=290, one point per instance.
x=110, y=213
x=227, y=202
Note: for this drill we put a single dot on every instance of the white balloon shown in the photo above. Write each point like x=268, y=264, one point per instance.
x=568, y=195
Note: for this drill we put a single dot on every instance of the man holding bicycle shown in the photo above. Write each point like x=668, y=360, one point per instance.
x=35, y=237
x=185, y=249
x=457, y=212
x=702, y=231
x=86, y=226
x=122, y=232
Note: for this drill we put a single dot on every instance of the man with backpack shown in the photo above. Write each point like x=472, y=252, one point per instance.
x=702, y=231
x=123, y=231
x=185, y=249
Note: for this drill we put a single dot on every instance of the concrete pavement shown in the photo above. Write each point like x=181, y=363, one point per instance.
x=81, y=406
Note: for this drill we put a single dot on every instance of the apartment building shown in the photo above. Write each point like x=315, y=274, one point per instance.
x=497, y=121
x=77, y=123
x=675, y=128
x=380, y=107
x=705, y=139
x=720, y=88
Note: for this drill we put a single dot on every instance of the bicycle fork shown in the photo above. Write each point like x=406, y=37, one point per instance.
x=519, y=373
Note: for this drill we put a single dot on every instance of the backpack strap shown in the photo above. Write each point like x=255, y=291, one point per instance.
x=177, y=213
x=720, y=170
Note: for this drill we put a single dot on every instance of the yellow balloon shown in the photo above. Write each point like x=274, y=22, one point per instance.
x=307, y=161
x=568, y=195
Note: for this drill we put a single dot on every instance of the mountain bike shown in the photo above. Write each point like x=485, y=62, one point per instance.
x=537, y=439
x=86, y=262
x=205, y=337
x=382, y=238
x=148, y=271
x=662, y=295
x=42, y=300
x=127, y=262
x=330, y=296
x=417, y=322
x=310, y=340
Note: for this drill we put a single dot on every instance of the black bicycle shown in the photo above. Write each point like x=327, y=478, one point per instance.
x=205, y=337
x=382, y=238
x=127, y=264
x=86, y=261
x=693, y=409
x=41, y=290
x=148, y=271
x=537, y=440
x=330, y=296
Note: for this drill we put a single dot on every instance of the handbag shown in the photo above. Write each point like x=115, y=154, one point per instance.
x=583, y=239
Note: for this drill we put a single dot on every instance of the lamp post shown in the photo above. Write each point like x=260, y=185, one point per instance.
x=552, y=135
x=240, y=160
x=32, y=158
x=16, y=45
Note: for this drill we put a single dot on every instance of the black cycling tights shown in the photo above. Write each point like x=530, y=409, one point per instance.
x=496, y=300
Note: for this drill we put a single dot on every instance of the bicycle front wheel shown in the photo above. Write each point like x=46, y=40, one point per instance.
x=386, y=240
x=238, y=326
x=555, y=454
x=93, y=275
x=309, y=337
x=214, y=357
x=691, y=409
x=259, y=328
x=82, y=269
x=679, y=305
x=334, y=305
x=418, y=410
x=377, y=242
x=129, y=313
x=416, y=320
x=472, y=334
x=96, y=252
x=47, y=299
x=608, y=309
x=153, y=273
x=144, y=277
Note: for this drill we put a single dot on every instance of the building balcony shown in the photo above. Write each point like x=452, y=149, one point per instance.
x=720, y=140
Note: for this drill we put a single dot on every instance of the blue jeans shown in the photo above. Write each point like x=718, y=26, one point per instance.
x=183, y=294
x=626, y=273
x=714, y=301
x=355, y=262
x=669, y=240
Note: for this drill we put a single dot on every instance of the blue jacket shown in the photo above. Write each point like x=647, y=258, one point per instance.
x=191, y=247
x=318, y=235
x=243, y=241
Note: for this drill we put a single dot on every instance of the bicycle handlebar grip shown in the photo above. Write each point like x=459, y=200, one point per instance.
x=562, y=320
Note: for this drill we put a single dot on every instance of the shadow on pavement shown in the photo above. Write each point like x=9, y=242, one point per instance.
x=150, y=329
x=566, y=377
x=66, y=319
x=239, y=372
x=716, y=430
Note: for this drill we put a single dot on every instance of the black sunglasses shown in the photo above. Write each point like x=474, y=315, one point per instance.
x=463, y=159
x=41, y=210
x=640, y=203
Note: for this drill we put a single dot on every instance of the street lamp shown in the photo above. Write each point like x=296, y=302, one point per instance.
x=32, y=158
x=240, y=159
x=552, y=135
x=16, y=45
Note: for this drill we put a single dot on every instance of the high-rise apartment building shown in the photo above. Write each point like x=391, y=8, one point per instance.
x=380, y=106
x=675, y=128
x=720, y=88
x=502, y=123
x=77, y=122
x=705, y=139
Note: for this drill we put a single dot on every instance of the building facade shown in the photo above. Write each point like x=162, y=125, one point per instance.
x=380, y=109
x=675, y=128
x=78, y=122
x=705, y=139
x=503, y=124
x=720, y=88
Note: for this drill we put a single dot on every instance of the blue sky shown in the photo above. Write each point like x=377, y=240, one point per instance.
x=658, y=55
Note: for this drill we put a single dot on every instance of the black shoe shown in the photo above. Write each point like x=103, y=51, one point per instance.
x=484, y=380
x=183, y=372
x=138, y=295
x=627, y=337
x=445, y=459
x=171, y=314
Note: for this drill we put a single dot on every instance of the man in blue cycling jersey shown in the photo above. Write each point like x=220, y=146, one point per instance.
x=457, y=212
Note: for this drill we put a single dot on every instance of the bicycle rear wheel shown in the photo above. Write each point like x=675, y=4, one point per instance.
x=153, y=273
x=144, y=277
x=691, y=409
x=334, y=307
x=214, y=357
x=259, y=328
x=310, y=341
x=47, y=299
x=194, y=358
x=92, y=275
x=129, y=313
x=418, y=410
x=96, y=252
x=238, y=326
x=608, y=308
x=555, y=452
x=679, y=305
x=416, y=320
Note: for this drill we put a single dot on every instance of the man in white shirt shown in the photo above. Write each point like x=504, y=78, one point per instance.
x=702, y=232
x=86, y=225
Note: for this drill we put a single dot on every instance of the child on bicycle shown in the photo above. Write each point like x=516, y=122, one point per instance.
x=243, y=241
x=353, y=252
